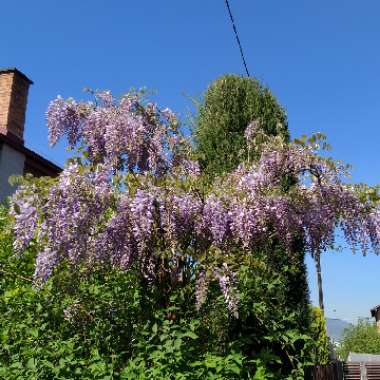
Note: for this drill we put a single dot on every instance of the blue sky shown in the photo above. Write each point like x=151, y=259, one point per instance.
x=321, y=59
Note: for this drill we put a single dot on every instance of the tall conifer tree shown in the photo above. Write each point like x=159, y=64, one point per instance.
x=230, y=104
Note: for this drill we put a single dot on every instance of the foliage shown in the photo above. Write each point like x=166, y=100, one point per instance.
x=165, y=349
x=88, y=330
x=130, y=242
x=230, y=104
x=66, y=329
x=319, y=335
x=102, y=325
x=362, y=337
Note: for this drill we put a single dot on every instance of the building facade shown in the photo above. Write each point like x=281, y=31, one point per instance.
x=15, y=157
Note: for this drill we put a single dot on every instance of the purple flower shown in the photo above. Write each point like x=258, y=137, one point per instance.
x=142, y=209
x=227, y=280
x=127, y=134
x=201, y=289
x=46, y=261
x=63, y=118
x=216, y=218
x=132, y=202
x=24, y=209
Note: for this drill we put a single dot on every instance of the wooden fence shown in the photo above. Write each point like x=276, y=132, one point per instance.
x=362, y=371
x=333, y=371
x=344, y=371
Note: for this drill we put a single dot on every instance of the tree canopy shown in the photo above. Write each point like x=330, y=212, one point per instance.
x=362, y=337
x=230, y=104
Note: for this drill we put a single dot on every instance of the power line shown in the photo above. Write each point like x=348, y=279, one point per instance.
x=237, y=38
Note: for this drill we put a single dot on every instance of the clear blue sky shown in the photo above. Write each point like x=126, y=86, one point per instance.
x=320, y=58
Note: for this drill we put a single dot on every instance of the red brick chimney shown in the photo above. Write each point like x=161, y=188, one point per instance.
x=14, y=86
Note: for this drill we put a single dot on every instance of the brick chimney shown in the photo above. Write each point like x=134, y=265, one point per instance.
x=14, y=87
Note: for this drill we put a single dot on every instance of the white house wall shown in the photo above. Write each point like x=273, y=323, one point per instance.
x=11, y=163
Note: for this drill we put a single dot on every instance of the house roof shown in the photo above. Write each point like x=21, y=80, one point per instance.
x=362, y=358
x=36, y=163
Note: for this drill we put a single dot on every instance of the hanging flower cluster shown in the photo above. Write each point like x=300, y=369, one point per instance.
x=127, y=132
x=156, y=223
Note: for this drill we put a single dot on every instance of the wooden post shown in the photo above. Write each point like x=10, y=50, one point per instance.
x=363, y=371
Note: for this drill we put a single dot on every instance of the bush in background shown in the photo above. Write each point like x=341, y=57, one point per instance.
x=361, y=338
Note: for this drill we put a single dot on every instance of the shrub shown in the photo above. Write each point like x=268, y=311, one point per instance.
x=319, y=334
x=130, y=264
x=362, y=338
x=102, y=325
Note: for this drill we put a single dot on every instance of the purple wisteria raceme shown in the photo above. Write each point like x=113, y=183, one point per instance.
x=126, y=134
x=216, y=219
x=372, y=226
x=247, y=222
x=187, y=208
x=142, y=210
x=191, y=168
x=180, y=213
x=46, y=261
x=63, y=119
x=116, y=243
x=201, y=289
x=227, y=281
x=24, y=210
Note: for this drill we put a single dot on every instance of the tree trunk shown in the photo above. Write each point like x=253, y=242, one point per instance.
x=317, y=259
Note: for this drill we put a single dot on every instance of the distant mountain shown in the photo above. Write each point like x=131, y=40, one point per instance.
x=335, y=328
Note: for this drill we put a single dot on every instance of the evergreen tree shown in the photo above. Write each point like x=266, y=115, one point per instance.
x=230, y=104
x=319, y=331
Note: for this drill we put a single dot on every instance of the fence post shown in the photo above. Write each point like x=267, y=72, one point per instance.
x=363, y=371
x=341, y=370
